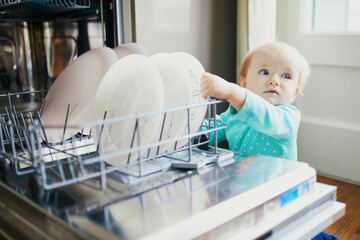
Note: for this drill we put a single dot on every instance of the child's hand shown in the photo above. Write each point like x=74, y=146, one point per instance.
x=213, y=85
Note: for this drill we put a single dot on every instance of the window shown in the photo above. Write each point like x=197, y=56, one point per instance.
x=331, y=16
x=321, y=45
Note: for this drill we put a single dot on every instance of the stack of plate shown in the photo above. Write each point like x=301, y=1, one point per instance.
x=122, y=82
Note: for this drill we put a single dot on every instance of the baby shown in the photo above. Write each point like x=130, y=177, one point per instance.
x=260, y=118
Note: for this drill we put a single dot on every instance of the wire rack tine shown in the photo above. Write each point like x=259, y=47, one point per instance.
x=66, y=120
x=2, y=137
x=81, y=165
x=12, y=140
x=139, y=144
x=102, y=174
x=90, y=132
x=27, y=141
x=70, y=162
x=17, y=127
x=41, y=126
x=42, y=107
x=81, y=134
x=133, y=139
x=161, y=133
x=71, y=168
x=6, y=129
x=189, y=132
x=33, y=144
x=100, y=132
x=9, y=99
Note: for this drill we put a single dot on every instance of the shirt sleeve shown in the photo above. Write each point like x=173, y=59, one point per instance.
x=277, y=121
x=220, y=133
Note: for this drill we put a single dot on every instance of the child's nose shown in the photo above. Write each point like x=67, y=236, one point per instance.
x=273, y=82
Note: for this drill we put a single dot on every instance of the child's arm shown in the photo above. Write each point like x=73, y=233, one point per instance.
x=281, y=121
x=212, y=85
x=277, y=121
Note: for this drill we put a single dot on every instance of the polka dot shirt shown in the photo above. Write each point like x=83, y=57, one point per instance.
x=259, y=128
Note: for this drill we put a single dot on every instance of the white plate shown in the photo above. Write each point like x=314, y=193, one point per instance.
x=131, y=86
x=194, y=72
x=130, y=48
x=177, y=93
x=76, y=86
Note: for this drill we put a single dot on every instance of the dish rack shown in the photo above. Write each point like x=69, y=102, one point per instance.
x=36, y=9
x=50, y=4
x=48, y=166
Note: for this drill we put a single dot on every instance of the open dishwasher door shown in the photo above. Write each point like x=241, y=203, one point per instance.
x=255, y=198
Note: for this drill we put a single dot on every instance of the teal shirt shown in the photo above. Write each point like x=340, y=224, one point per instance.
x=260, y=128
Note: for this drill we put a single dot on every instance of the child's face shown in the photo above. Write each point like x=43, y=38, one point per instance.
x=273, y=77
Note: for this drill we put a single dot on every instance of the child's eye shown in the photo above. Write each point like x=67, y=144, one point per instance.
x=264, y=72
x=286, y=75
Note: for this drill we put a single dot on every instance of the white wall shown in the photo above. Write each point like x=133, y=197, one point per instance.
x=204, y=28
x=329, y=134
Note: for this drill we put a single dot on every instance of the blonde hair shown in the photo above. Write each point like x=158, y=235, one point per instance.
x=280, y=48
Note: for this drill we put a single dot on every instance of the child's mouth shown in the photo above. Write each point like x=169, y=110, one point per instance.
x=272, y=92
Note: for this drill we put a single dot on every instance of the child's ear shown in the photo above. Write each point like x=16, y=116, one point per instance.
x=242, y=81
x=297, y=91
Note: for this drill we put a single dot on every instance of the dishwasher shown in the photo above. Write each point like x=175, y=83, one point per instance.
x=69, y=190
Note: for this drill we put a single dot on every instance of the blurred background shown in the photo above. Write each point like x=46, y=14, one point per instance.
x=328, y=35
